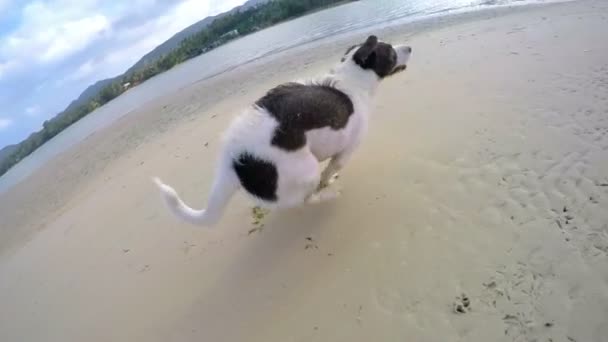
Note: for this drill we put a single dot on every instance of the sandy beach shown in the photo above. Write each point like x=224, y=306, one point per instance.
x=475, y=210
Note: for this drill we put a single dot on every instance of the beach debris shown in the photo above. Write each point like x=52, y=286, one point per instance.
x=257, y=215
x=549, y=324
x=490, y=285
x=310, y=244
x=187, y=246
x=255, y=230
x=125, y=250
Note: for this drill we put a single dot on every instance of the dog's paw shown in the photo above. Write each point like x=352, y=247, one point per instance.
x=324, y=195
x=327, y=183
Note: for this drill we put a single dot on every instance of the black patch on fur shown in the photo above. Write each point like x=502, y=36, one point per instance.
x=300, y=108
x=377, y=56
x=259, y=177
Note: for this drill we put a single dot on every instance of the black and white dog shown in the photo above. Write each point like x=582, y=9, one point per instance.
x=274, y=149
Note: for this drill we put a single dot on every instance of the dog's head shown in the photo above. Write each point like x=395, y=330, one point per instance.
x=383, y=59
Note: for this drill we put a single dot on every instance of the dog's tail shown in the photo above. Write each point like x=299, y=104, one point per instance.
x=223, y=188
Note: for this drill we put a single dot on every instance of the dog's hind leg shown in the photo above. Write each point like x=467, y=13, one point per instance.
x=336, y=164
x=299, y=178
x=323, y=195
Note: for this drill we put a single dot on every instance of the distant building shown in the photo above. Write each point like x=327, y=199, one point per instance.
x=219, y=41
x=230, y=34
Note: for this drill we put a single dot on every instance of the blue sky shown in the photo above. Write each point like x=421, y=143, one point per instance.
x=50, y=51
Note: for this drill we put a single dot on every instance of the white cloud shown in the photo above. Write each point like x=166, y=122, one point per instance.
x=5, y=123
x=50, y=32
x=58, y=47
x=83, y=71
x=3, y=4
x=54, y=30
x=134, y=42
x=32, y=111
x=71, y=37
x=6, y=67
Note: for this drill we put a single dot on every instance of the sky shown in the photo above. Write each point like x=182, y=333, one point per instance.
x=50, y=51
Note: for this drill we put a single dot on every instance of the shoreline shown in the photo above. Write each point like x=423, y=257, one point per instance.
x=495, y=192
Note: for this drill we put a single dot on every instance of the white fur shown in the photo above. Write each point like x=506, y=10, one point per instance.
x=301, y=179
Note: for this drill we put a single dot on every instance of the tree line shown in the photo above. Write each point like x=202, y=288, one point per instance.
x=219, y=32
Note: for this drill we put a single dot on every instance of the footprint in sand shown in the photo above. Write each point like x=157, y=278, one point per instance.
x=462, y=304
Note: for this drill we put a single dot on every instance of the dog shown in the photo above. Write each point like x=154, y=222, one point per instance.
x=273, y=150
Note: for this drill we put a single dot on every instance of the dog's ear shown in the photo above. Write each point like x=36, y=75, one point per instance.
x=366, y=50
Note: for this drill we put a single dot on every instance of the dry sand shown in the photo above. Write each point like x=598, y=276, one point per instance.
x=485, y=173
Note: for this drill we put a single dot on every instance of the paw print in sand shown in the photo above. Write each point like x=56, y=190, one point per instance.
x=462, y=304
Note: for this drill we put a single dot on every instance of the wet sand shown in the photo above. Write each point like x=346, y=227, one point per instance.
x=484, y=174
